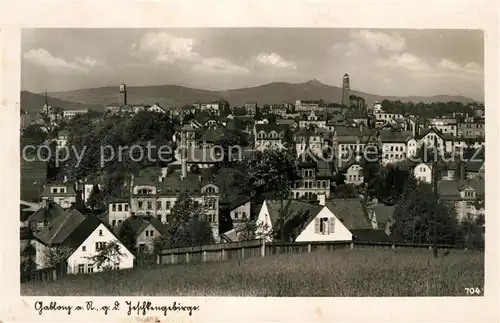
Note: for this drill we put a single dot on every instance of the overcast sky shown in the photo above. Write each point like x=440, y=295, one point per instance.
x=384, y=62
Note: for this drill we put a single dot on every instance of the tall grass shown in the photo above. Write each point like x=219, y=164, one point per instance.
x=360, y=272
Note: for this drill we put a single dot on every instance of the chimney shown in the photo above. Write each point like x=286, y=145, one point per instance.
x=321, y=199
x=65, y=178
x=462, y=171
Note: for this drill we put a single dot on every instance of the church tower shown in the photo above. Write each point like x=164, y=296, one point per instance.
x=345, y=90
x=122, y=97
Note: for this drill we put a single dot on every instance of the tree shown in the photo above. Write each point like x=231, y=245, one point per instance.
x=188, y=225
x=54, y=255
x=32, y=135
x=419, y=212
x=95, y=201
x=107, y=256
x=250, y=229
x=345, y=191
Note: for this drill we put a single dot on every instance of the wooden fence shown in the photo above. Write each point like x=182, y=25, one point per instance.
x=45, y=274
x=257, y=248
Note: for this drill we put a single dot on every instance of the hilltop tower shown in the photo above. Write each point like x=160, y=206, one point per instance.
x=122, y=97
x=345, y=89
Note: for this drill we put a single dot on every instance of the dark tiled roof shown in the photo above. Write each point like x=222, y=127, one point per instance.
x=70, y=190
x=370, y=235
x=268, y=127
x=82, y=232
x=138, y=224
x=210, y=135
x=387, y=136
x=49, y=213
x=450, y=190
x=350, y=212
x=61, y=228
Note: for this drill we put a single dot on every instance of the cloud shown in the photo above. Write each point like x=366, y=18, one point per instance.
x=469, y=68
x=219, y=65
x=164, y=48
x=405, y=60
x=376, y=41
x=44, y=58
x=362, y=41
x=273, y=59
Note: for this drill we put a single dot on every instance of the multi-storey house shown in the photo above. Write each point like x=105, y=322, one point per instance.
x=313, y=120
x=467, y=196
x=471, y=127
x=269, y=136
x=315, y=177
x=394, y=145
x=62, y=193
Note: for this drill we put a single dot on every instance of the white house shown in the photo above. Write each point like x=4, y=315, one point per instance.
x=331, y=221
x=354, y=174
x=80, y=237
x=324, y=226
x=423, y=172
x=70, y=114
x=100, y=235
x=156, y=108
x=118, y=211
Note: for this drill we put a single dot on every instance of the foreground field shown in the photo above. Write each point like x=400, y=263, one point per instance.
x=358, y=272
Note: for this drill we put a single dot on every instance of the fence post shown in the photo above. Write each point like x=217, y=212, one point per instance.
x=309, y=247
x=187, y=257
x=223, y=254
x=172, y=259
x=158, y=259
x=242, y=252
x=352, y=245
x=54, y=274
x=204, y=256
x=263, y=248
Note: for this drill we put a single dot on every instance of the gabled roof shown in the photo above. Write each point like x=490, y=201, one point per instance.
x=210, y=135
x=139, y=223
x=450, y=190
x=70, y=190
x=45, y=213
x=268, y=127
x=61, y=228
x=350, y=212
x=387, y=136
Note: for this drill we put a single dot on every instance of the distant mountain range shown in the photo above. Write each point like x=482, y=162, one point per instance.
x=174, y=95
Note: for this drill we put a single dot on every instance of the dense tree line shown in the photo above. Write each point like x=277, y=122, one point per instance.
x=429, y=110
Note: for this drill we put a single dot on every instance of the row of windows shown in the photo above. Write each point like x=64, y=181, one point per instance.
x=352, y=147
x=395, y=148
x=272, y=134
x=311, y=184
x=355, y=177
x=89, y=268
x=58, y=190
x=394, y=156
x=120, y=207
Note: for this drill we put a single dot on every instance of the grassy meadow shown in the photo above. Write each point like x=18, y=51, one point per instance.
x=351, y=273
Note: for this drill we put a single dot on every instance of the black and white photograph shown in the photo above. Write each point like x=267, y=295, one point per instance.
x=277, y=162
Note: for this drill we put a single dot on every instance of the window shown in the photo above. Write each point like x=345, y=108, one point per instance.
x=116, y=266
x=81, y=268
x=113, y=207
x=210, y=189
x=119, y=207
x=323, y=222
x=139, y=204
x=113, y=223
x=99, y=245
x=84, y=248
x=158, y=205
x=236, y=214
x=168, y=205
x=151, y=233
x=90, y=268
x=150, y=205
x=54, y=190
x=126, y=207
x=100, y=233
x=211, y=218
x=119, y=221
x=147, y=233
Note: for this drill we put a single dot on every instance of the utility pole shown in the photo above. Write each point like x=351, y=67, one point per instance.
x=435, y=191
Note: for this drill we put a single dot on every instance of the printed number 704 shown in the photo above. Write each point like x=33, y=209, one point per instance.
x=473, y=291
